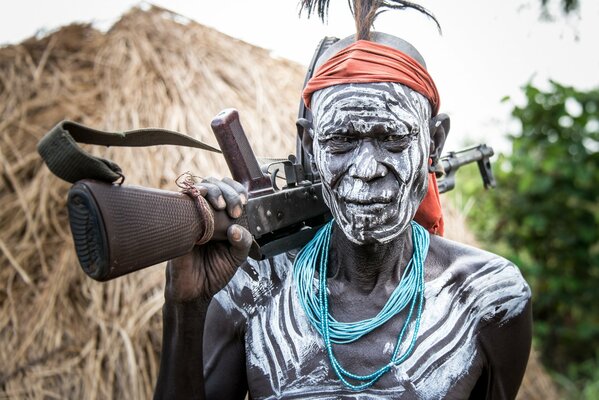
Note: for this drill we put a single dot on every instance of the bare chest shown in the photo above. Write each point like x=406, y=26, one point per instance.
x=287, y=357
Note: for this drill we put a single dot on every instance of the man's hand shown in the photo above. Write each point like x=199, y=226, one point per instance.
x=204, y=271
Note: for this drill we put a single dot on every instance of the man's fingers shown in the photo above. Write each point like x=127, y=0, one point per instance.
x=213, y=195
x=241, y=241
x=239, y=188
x=231, y=196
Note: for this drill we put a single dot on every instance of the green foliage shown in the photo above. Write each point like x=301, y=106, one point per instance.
x=567, y=5
x=581, y=381
x=544, y=215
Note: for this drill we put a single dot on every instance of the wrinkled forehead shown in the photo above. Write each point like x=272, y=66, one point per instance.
x=388, y=103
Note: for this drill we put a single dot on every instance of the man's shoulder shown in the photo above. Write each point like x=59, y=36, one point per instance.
x=493, y=285
x=466, y=260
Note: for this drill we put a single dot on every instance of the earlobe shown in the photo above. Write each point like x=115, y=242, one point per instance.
x=439, y=129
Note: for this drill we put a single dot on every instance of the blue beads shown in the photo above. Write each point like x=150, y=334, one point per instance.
x=409, y=294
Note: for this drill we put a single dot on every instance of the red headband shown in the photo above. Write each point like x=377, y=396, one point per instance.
x=364, y=62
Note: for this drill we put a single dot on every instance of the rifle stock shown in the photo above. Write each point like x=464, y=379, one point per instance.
x=118, y=229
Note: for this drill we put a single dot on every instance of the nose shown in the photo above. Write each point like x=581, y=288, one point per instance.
x=366, y=167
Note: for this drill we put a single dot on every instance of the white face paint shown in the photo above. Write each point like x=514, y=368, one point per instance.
x=371, y=147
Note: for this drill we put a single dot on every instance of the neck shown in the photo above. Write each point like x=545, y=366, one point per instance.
x=367, y=266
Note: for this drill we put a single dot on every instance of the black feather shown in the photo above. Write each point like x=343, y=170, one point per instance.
x=364, y=11
x=321, y=7
x=402, y=5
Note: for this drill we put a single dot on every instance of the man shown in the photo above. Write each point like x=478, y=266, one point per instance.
x=401, y=313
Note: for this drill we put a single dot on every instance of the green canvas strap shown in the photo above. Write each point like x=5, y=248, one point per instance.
x=59, y=149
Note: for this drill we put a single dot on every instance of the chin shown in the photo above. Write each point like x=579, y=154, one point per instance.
x=372, y=228
x=373, y=223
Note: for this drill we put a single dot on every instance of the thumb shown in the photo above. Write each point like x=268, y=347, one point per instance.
x=241, y=241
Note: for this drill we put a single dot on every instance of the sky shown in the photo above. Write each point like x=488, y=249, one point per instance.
x=487, y=51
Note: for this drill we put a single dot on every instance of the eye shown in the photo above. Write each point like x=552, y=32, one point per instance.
x=397, y=143
x=340, y=143
x=391, y=138
x=341, y=139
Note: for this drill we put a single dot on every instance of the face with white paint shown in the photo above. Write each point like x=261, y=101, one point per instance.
x=371, y=146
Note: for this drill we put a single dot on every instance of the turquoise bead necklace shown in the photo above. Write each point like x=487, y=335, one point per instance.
x=408, y=294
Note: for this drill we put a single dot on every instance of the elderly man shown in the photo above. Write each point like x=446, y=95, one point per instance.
x=374, y=306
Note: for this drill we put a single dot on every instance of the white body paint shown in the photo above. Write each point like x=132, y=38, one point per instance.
x=285, y=354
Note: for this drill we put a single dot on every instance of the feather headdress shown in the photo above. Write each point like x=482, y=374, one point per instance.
x=364, y=12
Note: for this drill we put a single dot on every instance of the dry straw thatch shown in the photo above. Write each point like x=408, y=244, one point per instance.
x=63, y=335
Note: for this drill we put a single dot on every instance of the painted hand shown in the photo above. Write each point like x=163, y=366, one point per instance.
x=204, y=271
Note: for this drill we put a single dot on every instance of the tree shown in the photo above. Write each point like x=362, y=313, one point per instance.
x=545, y=216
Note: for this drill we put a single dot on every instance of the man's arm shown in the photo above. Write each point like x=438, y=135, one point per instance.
x=224, y=354
x=506, y=348
x=180, y=374
x=195, y=334
x=192, y=281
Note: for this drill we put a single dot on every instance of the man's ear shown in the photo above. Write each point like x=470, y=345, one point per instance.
x=439, y=129
x=306, y=130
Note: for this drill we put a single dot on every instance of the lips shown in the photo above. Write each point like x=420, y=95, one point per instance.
x=362, y=193
x=371, y=205
x=366, y=209
x=381, y=199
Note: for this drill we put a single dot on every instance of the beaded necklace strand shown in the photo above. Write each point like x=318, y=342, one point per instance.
x=407, y=294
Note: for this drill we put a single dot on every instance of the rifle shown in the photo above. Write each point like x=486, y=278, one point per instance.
x=449, y=164
x=118, y=229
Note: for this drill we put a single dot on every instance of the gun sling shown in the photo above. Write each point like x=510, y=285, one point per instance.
x=59, y=149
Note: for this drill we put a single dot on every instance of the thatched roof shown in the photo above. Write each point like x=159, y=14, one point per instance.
x=63, y=335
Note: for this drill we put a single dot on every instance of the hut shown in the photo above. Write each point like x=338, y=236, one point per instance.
x=63, y=335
